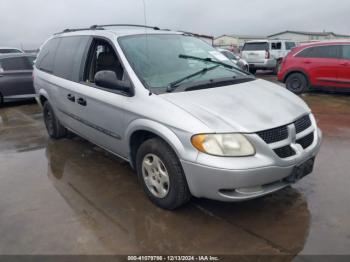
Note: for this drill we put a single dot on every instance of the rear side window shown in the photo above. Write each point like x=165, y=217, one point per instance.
x=276, y=46
x=69, y=56
x=331, y=51
x=256, y=46
x=15, y=63
x=346, y=52
x=45, y=61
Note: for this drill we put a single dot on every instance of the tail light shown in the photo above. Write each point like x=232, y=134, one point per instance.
x=267, y=55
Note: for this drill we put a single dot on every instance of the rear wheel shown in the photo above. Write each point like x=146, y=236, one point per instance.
x=54, y=128
x=297, y=83
x=160, y=172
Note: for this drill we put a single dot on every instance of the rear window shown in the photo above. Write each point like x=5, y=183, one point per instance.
x=331, y=51
x=15, y=64
x=264, y=46
x=290, y=45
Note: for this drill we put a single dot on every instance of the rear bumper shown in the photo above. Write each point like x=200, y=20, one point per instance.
x=245, y=183
x=267, y=64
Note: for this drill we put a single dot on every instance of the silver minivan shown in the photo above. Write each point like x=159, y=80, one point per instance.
x=186, y=119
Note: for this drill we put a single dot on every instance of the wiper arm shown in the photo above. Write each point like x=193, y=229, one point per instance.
x=173, y=85
x=208, y=59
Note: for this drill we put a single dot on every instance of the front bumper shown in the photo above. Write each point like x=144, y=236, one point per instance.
x=247, y=179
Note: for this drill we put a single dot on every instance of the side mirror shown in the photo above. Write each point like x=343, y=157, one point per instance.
x=108, y=79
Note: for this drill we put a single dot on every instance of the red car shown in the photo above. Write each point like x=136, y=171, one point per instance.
x=324, y=65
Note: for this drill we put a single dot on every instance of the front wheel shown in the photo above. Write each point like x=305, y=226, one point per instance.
x=54, y=128
x=297, y=83
x=160, y=172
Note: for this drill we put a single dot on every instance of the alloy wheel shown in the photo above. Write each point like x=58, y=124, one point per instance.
x=155, y=175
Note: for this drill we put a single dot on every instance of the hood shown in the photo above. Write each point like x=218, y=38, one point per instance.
x=248, y=107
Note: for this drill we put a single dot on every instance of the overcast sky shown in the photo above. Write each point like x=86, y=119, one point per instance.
x=30, y=22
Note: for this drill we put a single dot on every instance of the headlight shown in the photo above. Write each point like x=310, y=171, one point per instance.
x=223, y=144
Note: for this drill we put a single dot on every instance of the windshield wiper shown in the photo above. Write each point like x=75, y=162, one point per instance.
x=210, y=60
x=175, y=84
x=207, y=59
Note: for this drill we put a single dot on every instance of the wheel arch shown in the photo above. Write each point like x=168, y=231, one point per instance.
x=142, y=130
x=42, y=97
x=300, y=71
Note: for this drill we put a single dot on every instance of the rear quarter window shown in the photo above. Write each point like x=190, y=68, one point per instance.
x=264, y=46
x=346, y=52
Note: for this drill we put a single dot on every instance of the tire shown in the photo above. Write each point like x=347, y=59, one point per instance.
x=168, y=192
x=297, y=83
x=53, y=126
x=252, y=71
x=1, y=100
x=278, y=67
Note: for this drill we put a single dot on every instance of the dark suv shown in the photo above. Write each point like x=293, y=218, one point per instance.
x=16, y=80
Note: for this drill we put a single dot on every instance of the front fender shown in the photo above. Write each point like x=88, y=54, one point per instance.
x=160, y=130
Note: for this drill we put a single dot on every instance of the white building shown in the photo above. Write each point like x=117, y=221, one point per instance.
x=299, y=36
x=234, y=41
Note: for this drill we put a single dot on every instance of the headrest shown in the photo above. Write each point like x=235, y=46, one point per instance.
x=106, y=59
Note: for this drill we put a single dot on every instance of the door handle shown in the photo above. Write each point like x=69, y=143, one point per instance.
x=81, y=101
x=70, y=97
x=307, y=62
x=344, y=64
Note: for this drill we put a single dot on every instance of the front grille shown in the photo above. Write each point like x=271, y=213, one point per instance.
x=302, y=124
x=274, y=135
x=284, y=152
x=306, y=141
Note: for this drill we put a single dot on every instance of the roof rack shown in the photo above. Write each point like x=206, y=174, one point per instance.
x=68, y=30
x=94, y=27
x=101, y=27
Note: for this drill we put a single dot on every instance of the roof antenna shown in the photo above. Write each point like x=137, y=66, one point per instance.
x=147, y=49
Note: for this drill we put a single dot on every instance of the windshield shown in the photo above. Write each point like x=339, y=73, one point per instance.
x=290, y=45
x=160, y=60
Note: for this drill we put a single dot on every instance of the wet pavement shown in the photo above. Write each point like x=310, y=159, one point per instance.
x=71, y=197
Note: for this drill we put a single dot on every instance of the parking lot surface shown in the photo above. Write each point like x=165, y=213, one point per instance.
x=71, y=197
